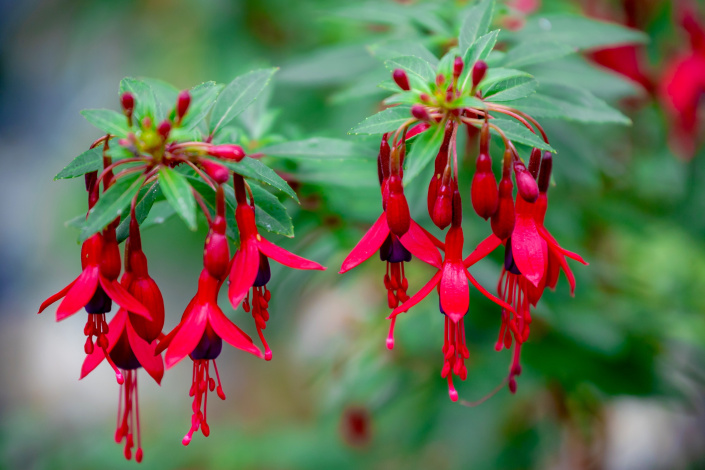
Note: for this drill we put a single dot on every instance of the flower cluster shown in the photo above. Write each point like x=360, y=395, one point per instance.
x=133, y=338
x=533, y=258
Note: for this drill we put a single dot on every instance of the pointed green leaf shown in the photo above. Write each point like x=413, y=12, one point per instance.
x=511, y=89
x=422, y=152
x=397, y=48
x=385, y=121
x=270, y=214
x=318, y=148
x=418, y=70
x=145, y=102
x=165, y=95
x=111, y=204
x=536, y=53
x=479, y=50
x=476, y=23
x=108, y=121
x=90, y=160
x=238, y=95
x=145, y=201
x=517, y=133
x=177, y=191
x=255, y=169
x=203, y=98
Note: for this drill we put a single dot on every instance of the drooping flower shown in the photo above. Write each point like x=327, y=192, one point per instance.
x=204, y=326
x=393, y=249
x=250, y=271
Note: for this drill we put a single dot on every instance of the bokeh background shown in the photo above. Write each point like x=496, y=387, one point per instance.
x=613, y=378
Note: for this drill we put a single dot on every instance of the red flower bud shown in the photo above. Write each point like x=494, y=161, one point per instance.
x=535, y=162
x=425, y=98
x=440, y=80
x=146, y=291
x=127, y=100
x=182, y=104
x=227, y=151
x=478, y=72
x=398, y=218
x=401, y=79
x=458, y=67
x=484, y=193
x=383, y=159
x=216, y=255
x=110, y=264
x=164, y=128
x=420, y=113
x=219, y=172
x=526, y=184
x=545, y=176
x=443, y=208
x=503, y=220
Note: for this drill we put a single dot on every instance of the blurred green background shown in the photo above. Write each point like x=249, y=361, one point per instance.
x=613, y=378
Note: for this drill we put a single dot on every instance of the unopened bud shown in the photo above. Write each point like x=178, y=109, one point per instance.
x=526, y=184
x=425, y=98
x=219, y=172
x=182, y=104
x=420, y=113
x=164, y=128
x=457, y=67
x=127, y=100
x=478, y=72
x=483, y=192
x=227, y=151
x=535, y=162
x=503, y=219
x=401, y=79
x=545, y=176
x=440, y=80
x=443, y=208
x=398, y=217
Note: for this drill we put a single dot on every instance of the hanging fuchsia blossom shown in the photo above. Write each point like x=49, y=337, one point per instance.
x=250, y=265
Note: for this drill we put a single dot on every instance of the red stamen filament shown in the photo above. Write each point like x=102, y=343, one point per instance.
x=128, y=420
x=201, y=384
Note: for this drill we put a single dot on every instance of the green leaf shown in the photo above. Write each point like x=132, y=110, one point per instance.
x=255, y=169
x=422, y=152
x=270, y=214
x=111, y=204
x=476, y=23
x=177, y=191
x=511, y=89
x=145, y=201
x=90, y=160
x=385, y=121
x=397, y=48
x=578, y=32
x=517, y=133
x=108, y=121
x=203, y=97
x=165, y=95
x=145, y=102
x=571, y=104
x=318, y=148
x=536, y=53
x=418, y=70
x=469, y=102
x=479, y=50
x=238, y=95
x=161, y=212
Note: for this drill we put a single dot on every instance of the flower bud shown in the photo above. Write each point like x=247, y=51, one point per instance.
x=425, y=98
x=182, y=104
x=526, y=184
x=227, y=151
x=443, y=208
x=478, y=72
x=146, y=291
x=535, y=162
x=440, y=80
x=383, y=158
x=216, y=255
x=127, y=100
x=401, y=79
x=545, y=176
x=420, y=113
x=457, y=67
x=503, y=219
x=484, y=193
x=398, y=218
x=164, y=128
x=219, y=172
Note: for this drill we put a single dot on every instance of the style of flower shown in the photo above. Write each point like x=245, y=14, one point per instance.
x=250, y=265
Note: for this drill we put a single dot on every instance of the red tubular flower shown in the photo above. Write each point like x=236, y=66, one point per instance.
x=250, y=265
x=204, y=326
x=451, y=281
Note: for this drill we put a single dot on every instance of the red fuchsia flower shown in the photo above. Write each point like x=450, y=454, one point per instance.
x=131, y=342
x=683, y=86
x=250, y=265
x=395, y=250
x=451, y=281
x=204, y=326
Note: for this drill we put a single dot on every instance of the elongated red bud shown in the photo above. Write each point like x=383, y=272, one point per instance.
x=401, y=79
x=425, y=98
x=526, y=184
x=182, y=104
x=383, y=158
x=127, y=100
x=440, y=80
x=457, y=207
x=398, y=217
x=216, y=255
x=443, y=207
x=478, y=72
x=219, y=172
x=420, y=113
x=457, y=67
x=164, y=128
x=483, y=192
x=227, y=151
x=503, y=219
x=535, y=162
x=545, y=176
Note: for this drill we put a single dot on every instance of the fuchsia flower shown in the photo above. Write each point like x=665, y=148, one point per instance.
x=394, y=249
x=250, y=265
x=204, y=326
x=131, y=343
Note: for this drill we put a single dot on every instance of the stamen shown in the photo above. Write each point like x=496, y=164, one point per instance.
x=390, y=336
